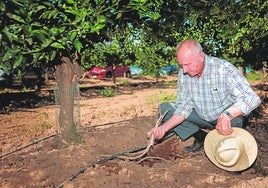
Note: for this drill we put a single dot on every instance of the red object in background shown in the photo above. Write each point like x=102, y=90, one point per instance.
x=101, y=72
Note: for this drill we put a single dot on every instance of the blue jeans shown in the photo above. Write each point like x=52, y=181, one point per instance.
x=193, y=123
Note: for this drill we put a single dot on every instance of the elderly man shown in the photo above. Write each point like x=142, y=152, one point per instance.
x=212, y=94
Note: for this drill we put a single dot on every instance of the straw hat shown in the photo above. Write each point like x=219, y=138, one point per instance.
x=235, y=152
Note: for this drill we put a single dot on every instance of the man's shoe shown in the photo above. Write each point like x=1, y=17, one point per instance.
x=195, y=147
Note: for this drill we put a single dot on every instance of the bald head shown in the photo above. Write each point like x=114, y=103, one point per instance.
x=191, y=57
x=189, y=45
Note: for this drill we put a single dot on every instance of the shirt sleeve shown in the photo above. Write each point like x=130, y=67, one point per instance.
x=245, y=98
x=184, y=104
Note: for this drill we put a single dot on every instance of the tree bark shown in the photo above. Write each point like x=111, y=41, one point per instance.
x=67, y=75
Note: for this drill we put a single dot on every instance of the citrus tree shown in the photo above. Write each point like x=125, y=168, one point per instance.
x=35, y=32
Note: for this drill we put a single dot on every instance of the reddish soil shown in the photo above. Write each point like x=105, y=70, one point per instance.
x=33, y=156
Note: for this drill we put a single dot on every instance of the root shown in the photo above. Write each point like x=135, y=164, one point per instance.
x=158, y=158
x=149, y=144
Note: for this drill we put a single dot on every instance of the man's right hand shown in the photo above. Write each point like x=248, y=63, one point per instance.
x=157, y=132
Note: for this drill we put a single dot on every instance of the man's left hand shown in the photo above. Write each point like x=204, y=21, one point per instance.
x=224, y=125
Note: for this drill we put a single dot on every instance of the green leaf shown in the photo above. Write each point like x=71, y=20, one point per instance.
x=52, y=55
x=2, y=6
x=39, y=34
x=13, y=51
x=70, y=1
x=37, y=24
x=155, y=16
x=54, y=31
x=18, y=61
x=57, y=45
x=78, y=45
x=40, y=7
x=16, y=18
x=10, y=36
x=97, y=27
x=7, y=56
x=119, y=15
x=73, y=35
x=52, y=14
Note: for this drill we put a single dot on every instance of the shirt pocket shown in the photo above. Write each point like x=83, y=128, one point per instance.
x=217, y=96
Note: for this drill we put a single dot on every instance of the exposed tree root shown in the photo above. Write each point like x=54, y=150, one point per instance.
x=157, y=158
x=149, y=144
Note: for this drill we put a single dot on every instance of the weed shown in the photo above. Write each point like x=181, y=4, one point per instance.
x=108, y=92
x=162, y=97
x=123, y=81
x=42, y=126
x=43, y=119
x=253, y=76
x=170, y=83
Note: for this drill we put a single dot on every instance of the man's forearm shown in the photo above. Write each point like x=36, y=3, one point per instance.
x=173, y=122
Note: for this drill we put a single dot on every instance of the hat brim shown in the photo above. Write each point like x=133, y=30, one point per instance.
x=250, y=146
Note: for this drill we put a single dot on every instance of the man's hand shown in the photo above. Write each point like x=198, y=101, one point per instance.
x=157, y=132
x=224, y=125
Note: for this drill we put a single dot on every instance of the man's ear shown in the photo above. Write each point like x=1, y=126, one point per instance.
x=202, y=56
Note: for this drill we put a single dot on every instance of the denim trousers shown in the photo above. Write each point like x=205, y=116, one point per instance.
x=193, y=123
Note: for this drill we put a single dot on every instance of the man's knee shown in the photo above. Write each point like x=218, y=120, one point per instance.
x=237, y=122
x=166, y=106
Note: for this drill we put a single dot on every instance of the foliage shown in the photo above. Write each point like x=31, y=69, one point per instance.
x=170, y=83
x=162, y=97
x=32, y=32
x=253, y=76
x=129, y=32
x=228, y=28
x=108, y=92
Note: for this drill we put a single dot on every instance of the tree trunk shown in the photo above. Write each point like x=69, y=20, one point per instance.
x=67, y=74
x=265, y=69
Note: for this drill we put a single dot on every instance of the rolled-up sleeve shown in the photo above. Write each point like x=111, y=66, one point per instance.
x=245, y=98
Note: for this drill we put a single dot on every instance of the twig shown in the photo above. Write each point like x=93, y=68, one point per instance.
x=158, y=158
x=150, y=142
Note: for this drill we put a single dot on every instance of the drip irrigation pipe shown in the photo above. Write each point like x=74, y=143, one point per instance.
x=111, y=157
x=101, y=161
x=27, y=145
x=105, y=124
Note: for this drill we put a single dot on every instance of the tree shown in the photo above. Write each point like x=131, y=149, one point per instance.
x=229, y=29
x=58, y=31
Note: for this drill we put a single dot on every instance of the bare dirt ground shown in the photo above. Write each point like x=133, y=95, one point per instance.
x=31, y=155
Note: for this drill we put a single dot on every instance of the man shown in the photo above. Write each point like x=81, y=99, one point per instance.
x=211, y=94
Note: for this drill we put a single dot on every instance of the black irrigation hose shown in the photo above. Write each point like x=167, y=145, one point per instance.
x=111, y=157
x=104, y=124
x=42, y=139
x=103, y=160
x=27, y=145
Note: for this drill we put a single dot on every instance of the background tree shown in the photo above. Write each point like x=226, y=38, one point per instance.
x=58, y=32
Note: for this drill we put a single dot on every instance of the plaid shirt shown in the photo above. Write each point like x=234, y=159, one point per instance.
x=221, y=85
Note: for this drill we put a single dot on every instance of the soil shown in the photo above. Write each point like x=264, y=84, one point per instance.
x=33, y=156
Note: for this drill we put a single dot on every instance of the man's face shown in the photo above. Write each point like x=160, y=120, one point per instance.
x=191, y=63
